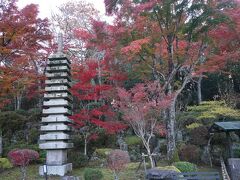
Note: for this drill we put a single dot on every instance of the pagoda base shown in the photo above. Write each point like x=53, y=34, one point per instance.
x=59, y=170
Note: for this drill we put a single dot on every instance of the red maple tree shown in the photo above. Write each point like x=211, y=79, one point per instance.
x=94, y=111
x=24, y=48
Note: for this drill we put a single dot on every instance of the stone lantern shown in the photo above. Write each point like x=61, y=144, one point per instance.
x=57, y=106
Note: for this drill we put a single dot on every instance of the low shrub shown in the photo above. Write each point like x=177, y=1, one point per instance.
x=78, y=159
x=92, y=174
x=22, y=158
x=117, y=160
x=184, y=166
x=172, y=168
x=199, y=136
x=190, y=153
x=193, y=125
x=5, y=164
x=132, y=140
x=103, y=152
x=23, y=145
x=175, y=157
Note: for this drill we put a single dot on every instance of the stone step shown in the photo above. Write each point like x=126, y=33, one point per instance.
x=58, y=81
x=56, y=118
x=55, y=145
x=55, y=136
x=58, y=75
x=57, y=110
x=58, y=62
x=63, y=95
x=57, y=102
x=56, y=88
x=56, y=127
x=58, y=68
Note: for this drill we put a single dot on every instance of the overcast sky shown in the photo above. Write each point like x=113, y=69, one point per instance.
x=47, y=6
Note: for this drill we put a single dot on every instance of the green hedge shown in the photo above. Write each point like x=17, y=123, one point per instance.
x=184, y=166
x=92, y=174
x=5, y=164
x=103, y=152
x=132, y=140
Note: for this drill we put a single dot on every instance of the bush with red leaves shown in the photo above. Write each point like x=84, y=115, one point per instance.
x=117, y=161
x=22, y=158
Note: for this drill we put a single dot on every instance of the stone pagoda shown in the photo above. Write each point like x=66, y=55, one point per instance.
x=57, y=106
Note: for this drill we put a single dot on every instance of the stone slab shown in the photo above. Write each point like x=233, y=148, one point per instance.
x=57, y=81
x=57, y=102
x=58, y=68
x=55, y=127
x=234, y=168
x=60, y=170
x=56, y=62
x=56, y=88
x=57, y=110
x=55, y=136
x=58, y=95
x=57, y=75
x=56, y=157
x=56, y=118
x=55, y=145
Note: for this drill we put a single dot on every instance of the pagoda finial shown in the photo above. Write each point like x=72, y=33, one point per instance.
x=60, y=43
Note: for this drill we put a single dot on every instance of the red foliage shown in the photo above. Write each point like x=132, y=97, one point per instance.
x=88, y=89
x=22, y=157
x=160, y=129
x=23, y=48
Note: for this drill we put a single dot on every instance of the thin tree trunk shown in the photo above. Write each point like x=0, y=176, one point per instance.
x=150, y=158
x=1, y=144
x=199, y=89
x=85, y=146
x=171, y=144
x=18, y=102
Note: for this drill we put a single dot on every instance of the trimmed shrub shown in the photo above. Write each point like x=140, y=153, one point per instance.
x=184, y=166
x=78, y=159
x=103, y=152
x=199, y=136
x=175, y=157
x=193, y=126
x=24, y=145
x=22, y=158
x=132, y=140
x=190, y=153
x=117, y=160
x=5, y=164
x=172, y=168
x=92, y=174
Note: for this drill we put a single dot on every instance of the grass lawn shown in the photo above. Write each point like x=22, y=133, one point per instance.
x=128, y=174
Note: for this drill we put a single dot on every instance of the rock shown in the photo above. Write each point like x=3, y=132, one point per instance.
x=155, y=173
x=205, y=156
x=70, y=178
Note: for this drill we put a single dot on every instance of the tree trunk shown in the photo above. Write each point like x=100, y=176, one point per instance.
x=18, y=101
x=115, y=175
x=199, y=89
x=171, y=144
x=151, y=158
x=24, y=172
x=85, y=146
x=1, y=144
